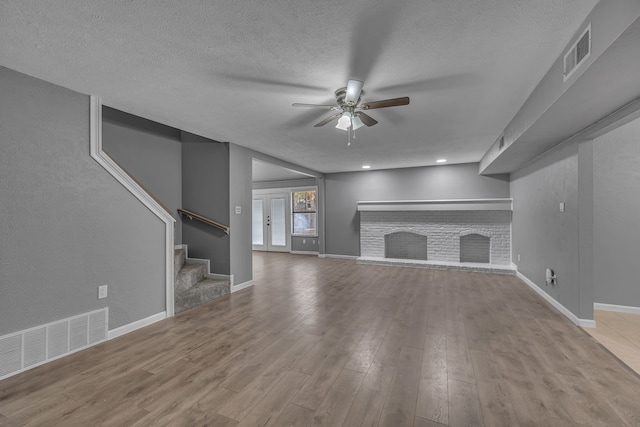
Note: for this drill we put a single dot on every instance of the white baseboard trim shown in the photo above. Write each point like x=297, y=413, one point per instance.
x=241, y=286
x=228, y=277
x=114, y=333
x=338, y=256
x=617, y=308
x=304, y=253
x=585, y=323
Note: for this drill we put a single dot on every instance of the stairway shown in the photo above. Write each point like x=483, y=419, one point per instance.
x=192, y=287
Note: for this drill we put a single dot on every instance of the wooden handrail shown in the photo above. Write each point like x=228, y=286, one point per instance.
x=201, y=218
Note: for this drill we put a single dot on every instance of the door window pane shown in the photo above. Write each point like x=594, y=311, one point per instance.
x=256, y=215
x=278, y=223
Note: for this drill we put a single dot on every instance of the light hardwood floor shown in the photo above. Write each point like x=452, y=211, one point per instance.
x=620, y=334
x=328, y=342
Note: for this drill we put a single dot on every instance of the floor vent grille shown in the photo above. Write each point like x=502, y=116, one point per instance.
x=26, y=349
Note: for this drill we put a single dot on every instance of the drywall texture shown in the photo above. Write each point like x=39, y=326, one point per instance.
x=205, y=191
x=344, y=190
x=307, y=182
x=616, y=184
x=543, y=236
x=150, y=153
x=240, y=160
x=67, y=226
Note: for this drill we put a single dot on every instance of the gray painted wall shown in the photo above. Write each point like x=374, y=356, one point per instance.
x=542, y=235
x=344, y=190
x=205, y=191
x=304, y=244
x=151, y=153
x=240, y=160
x=67, y=226
x=308, y=182
x=616, y=184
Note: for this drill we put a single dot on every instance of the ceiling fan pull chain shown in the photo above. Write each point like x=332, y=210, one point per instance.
x=349, y=137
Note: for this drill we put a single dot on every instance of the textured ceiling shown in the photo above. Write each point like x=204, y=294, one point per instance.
x=231, y=70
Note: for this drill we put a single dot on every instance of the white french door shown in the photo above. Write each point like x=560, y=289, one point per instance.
x=271, y=221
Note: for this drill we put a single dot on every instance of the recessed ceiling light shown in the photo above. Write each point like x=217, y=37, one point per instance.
x=366, y=166
x=441, y=161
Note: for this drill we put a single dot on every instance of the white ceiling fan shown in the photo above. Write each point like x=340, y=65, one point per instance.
x=350, y=113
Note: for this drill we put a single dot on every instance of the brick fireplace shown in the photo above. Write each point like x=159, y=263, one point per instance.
x=458, y=234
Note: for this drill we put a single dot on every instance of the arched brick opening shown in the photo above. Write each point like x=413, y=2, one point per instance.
x=475, y=248
x=405, y=245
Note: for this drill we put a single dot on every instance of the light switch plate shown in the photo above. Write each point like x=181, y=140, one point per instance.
x=102, y=291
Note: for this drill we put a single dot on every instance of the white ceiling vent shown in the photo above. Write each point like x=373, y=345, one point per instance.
x=578, y=53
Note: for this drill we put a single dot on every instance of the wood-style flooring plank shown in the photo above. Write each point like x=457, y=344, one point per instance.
x=293, y=416
x=400, y=406
x=433, y=394
x=464, y=404
x=331, y=342
x=265, y=412
x=369, y=401
x=335, y=406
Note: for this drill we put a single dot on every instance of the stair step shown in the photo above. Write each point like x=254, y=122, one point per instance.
x=204, y=291
x=179, y=258
x=188, y=276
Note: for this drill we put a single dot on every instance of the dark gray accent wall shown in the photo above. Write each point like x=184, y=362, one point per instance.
x=151, y=153
x=240, y=160
x=205, y=191
x=616, y=246
x=543, y=236
x=344, y=190
x=66, y=225
x=305, y=244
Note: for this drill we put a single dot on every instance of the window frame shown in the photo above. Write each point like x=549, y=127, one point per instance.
x=293, y=212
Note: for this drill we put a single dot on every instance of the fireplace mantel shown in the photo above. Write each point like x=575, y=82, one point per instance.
x=505, y=204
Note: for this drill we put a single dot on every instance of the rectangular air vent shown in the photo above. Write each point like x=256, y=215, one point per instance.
x=26, y=349
x=579, y=52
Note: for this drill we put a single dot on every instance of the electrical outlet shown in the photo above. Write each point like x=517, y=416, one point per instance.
x=518, y=257
x=561, y=206
x=238, y=210
x=314, y=241
x=102, y=291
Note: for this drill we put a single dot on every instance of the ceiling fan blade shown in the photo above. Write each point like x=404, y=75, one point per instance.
x=325, y=107
x=327, y=120
x=354, y=89
x=394, y=102
x=366, y=119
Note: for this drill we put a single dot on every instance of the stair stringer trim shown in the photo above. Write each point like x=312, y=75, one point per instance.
x=123, y=178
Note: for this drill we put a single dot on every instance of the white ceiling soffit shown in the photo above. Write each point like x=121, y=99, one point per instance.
x=267, y=172
x=231, y=70
x=606, y=93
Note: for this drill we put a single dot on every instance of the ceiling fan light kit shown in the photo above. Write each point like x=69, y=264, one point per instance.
x=350, y=113
x=344, y=122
